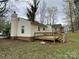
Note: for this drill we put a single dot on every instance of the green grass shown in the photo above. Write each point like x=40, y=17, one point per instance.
x=13, y=49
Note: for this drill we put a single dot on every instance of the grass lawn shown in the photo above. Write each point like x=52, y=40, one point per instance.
x=13, y=49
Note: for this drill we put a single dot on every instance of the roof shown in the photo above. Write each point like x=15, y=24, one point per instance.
x=37, y=23
x=56, y=26
x=22, y=17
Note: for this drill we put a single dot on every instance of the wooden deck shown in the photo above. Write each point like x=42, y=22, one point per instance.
x=48, y=36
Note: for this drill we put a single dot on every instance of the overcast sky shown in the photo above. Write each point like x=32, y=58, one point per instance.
x=20, y=7
x=59, y=4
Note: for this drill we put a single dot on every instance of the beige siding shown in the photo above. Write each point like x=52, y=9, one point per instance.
x=27, y=30
x=13, y=27
x=16, y=28
x=34, y=28
x=49, y=28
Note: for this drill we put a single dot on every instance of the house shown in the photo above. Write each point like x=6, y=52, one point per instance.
x=22, y=28
x=57, y=28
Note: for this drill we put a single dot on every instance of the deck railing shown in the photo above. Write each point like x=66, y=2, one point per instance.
x=46, y=33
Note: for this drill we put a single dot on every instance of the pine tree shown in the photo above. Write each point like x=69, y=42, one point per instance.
x=32, y=11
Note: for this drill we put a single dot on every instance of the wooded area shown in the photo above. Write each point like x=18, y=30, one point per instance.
x=72, y=13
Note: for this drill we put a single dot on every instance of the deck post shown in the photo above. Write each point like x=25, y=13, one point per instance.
x=54, y=41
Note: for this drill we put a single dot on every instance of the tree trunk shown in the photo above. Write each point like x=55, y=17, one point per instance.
x=72, y=27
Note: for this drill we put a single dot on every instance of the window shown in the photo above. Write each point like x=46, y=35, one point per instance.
x=38, y=28
x=18, y=19
x=22, y=29
x=43, y=29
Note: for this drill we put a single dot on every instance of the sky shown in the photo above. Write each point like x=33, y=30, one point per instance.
x=20, y=7
x=59, y=4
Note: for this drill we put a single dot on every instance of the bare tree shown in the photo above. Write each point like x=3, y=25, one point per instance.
x=3, y=7
x=69, y=11
x=52, y=12
x=2, y=23
x=3, y=10
x=70, y=7
x=42, y=11
x=76, y=2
